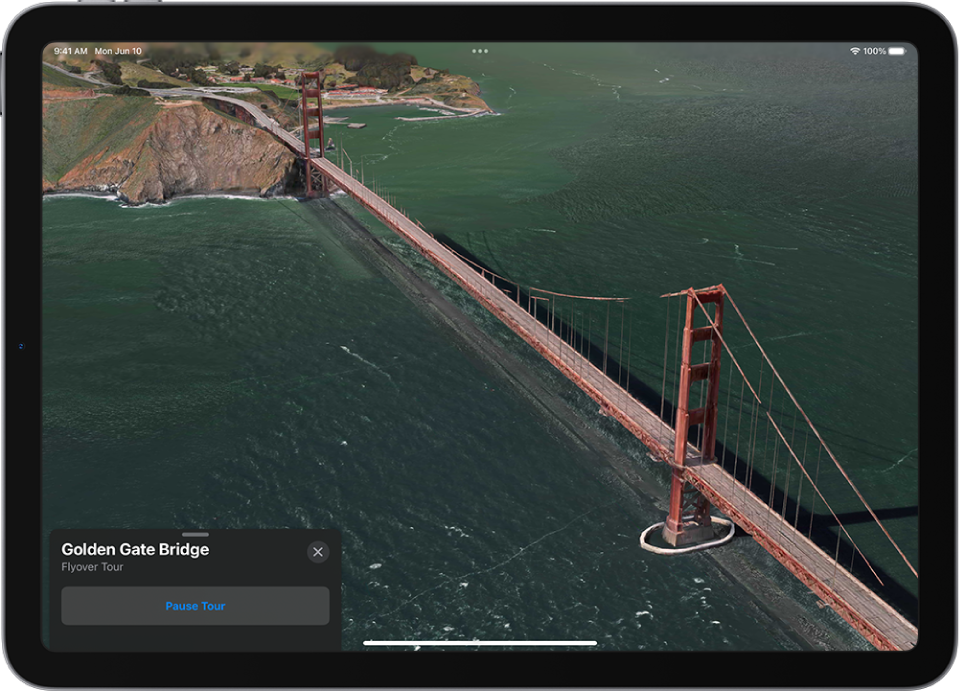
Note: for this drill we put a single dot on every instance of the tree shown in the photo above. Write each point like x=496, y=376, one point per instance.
x=124, y=90
x=111, y=72
x=199, y=77
x=385, y=74
x=146, y=84
x=172, y=61
x=354, y=57
x=232, y=68
x=403, y=58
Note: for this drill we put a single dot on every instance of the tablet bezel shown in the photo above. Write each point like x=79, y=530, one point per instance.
x=916, y=25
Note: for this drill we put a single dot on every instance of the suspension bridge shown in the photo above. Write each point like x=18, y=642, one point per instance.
x=771, y=457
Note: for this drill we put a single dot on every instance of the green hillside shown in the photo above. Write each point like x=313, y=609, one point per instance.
x=282, y=53
x=72, y=130
x=131, y=73
x=52, y=76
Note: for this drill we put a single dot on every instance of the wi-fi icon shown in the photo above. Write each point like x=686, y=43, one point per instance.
x=854, y=50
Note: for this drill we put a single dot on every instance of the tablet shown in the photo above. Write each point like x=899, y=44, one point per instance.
x=458, y=351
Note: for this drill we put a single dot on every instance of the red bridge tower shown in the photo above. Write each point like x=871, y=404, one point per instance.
x=688, y=518
x=315, y=179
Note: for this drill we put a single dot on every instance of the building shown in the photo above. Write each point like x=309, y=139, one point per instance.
x=358, y=94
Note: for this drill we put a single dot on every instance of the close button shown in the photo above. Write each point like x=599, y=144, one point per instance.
x=318, y=552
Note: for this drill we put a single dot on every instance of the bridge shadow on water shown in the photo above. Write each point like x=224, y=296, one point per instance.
x=593, y=352
x=821, y=527
x=839, y=438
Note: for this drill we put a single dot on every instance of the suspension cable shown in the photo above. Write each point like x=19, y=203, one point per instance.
x=806, y=418
x=817, y=433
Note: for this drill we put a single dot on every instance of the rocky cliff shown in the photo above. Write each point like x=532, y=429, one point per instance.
x=181, y=148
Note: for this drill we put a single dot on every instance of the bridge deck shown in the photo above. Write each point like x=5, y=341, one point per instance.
x=877, y=621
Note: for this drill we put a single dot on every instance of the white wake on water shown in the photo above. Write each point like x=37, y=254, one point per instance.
x=367, y=362
x=900, y=460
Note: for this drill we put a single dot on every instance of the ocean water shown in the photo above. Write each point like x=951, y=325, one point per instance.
x=233, y=363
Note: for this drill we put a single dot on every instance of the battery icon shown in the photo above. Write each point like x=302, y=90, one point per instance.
x=896, y=50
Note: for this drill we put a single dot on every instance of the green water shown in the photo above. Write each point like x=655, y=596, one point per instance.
x=231, y=363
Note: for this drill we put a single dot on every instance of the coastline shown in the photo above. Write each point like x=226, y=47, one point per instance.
x=94, y=194
x=113, y=196
x=420, y=101
x=447, y=112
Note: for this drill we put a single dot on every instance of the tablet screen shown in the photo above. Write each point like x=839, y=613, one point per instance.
x=220, y=352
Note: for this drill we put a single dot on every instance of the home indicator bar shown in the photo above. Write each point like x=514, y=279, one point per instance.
x=488, y=642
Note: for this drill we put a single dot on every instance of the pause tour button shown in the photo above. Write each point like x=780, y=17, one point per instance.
x=195, y=605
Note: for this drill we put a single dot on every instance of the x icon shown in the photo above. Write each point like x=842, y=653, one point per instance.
x=318, y=552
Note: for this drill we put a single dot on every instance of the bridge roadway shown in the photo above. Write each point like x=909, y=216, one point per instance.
x=877, y=621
